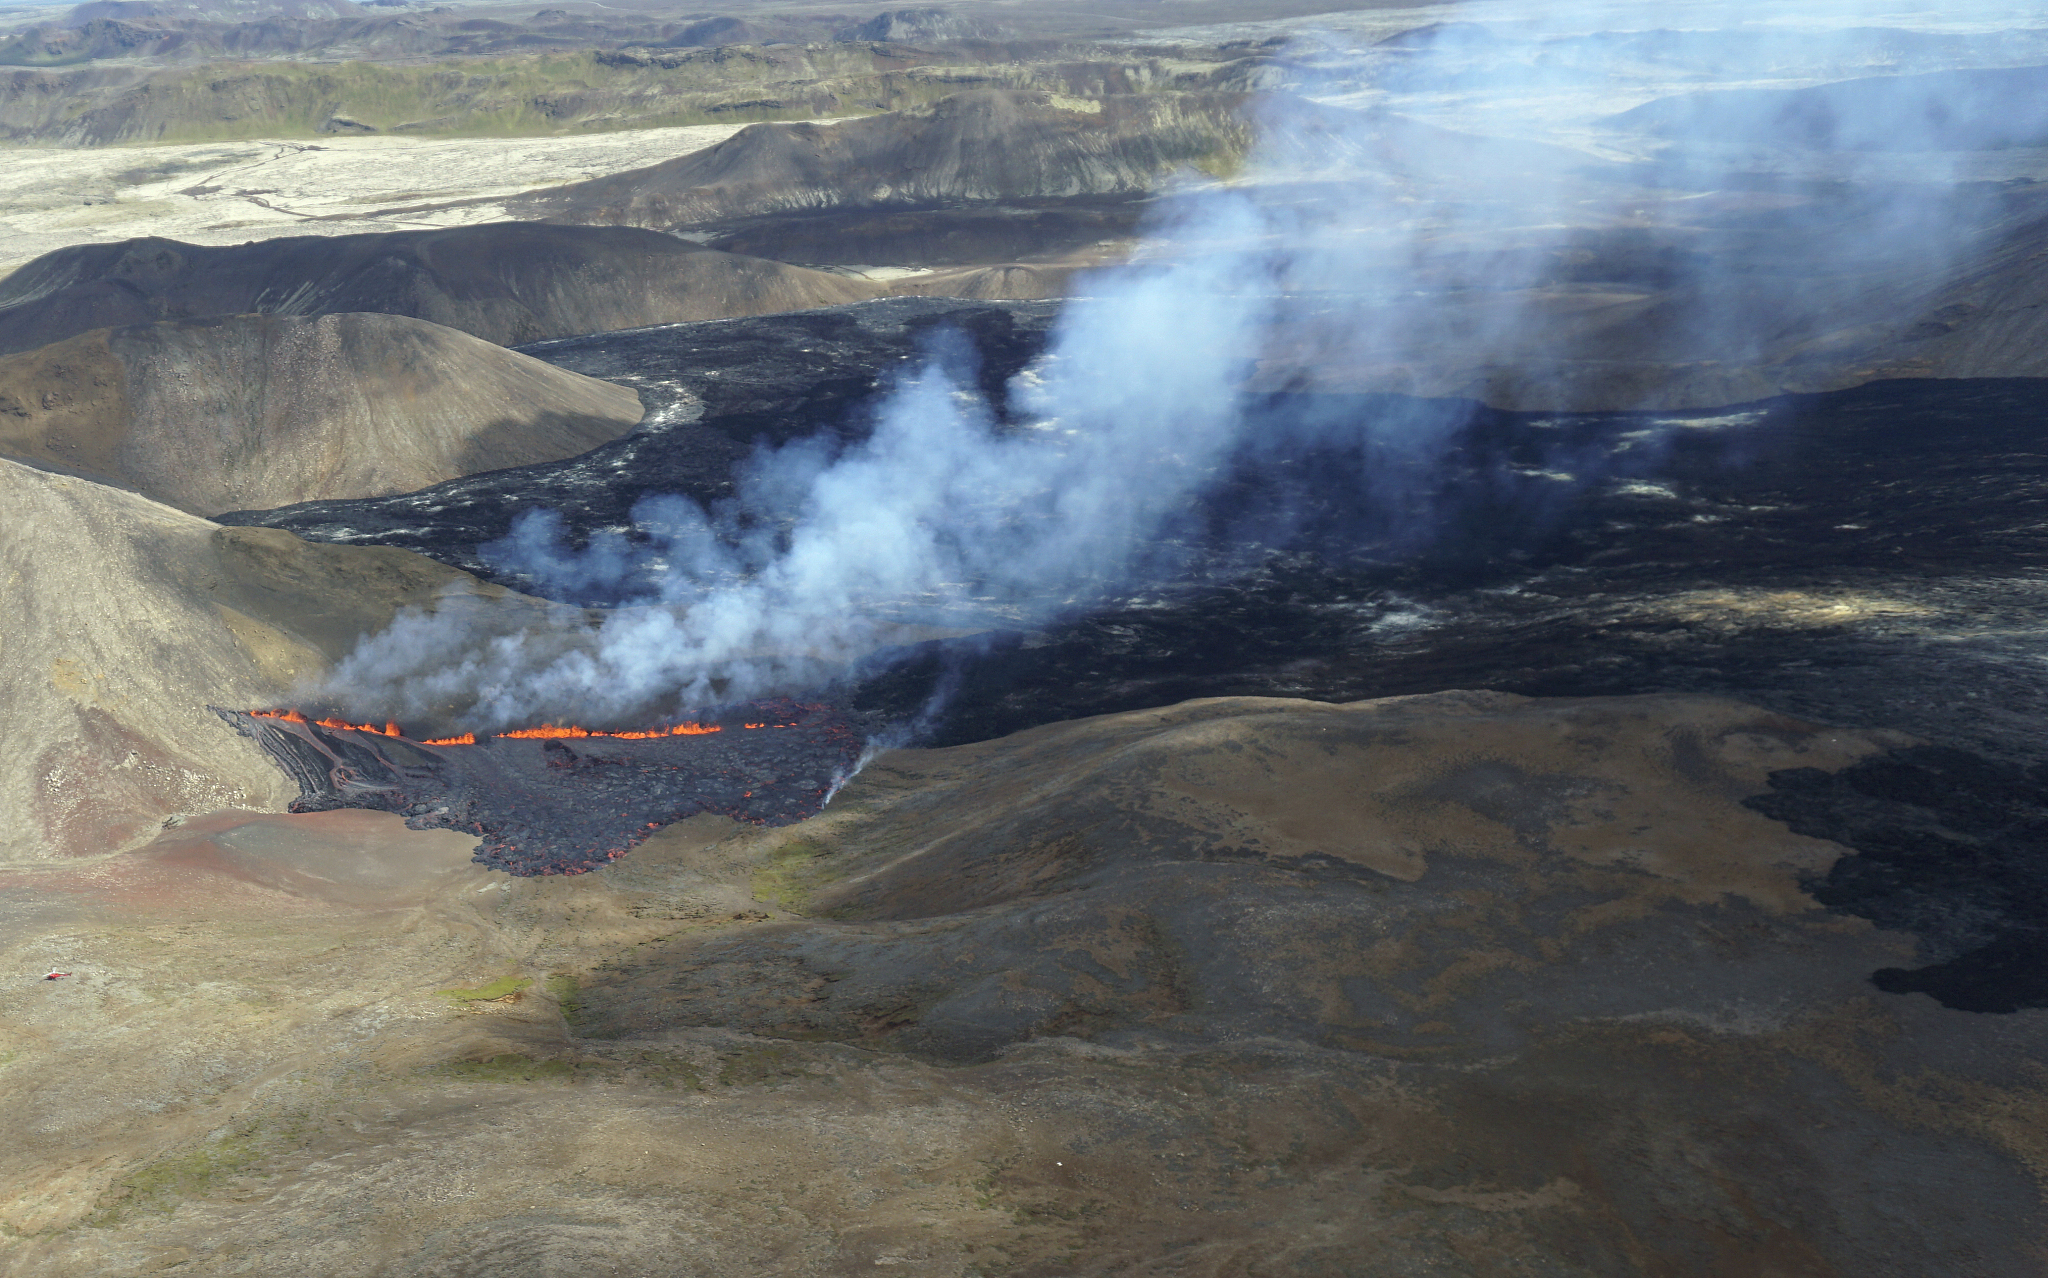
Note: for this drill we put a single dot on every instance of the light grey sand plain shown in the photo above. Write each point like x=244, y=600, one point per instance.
x=231, y=192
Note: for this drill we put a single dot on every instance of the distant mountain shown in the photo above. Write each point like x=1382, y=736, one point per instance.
x=256, y=410
x=118, y=30
x=1972, y=110
x=919, y=24
x=114, y=82
x=504, y=282
x=209, y=10
x=985, y=144
x=811, y=49
x=1464, y=55
x=717, y=32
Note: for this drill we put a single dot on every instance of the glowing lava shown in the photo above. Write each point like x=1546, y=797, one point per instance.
x=549, y=732
x=545, y=732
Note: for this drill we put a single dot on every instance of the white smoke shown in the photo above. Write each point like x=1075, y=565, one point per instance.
x=1129, y=416
x=1365, y=247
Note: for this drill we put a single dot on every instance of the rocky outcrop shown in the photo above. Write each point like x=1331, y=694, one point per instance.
x=254, y=410
x=504, y=282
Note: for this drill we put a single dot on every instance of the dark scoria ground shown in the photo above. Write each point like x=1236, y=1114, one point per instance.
x=564, y=806
x=1875, y=557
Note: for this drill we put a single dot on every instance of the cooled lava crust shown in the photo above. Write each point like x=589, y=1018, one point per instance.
x=567, y=805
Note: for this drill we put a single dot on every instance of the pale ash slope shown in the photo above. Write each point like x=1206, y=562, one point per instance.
x=1231, y=989
x=230, y=192
x=126, y=618
x=254, y=411
x=506, y=282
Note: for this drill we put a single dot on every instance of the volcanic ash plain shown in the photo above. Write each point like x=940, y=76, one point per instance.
x=1255, y=986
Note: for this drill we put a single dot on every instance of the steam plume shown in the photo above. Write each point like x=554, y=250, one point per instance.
x=1365, y=247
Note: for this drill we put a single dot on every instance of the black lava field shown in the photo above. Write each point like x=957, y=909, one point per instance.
x=1875, y=557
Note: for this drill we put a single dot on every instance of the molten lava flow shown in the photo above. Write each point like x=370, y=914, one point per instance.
x=545, y=732
x=340, y=725
x=549, y=732
x=565, y=800
x=343, y=725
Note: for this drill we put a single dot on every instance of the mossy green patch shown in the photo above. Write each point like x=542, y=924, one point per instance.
x=1223, y=164
x=503, y=987
x=794, y=870
x=567, y=993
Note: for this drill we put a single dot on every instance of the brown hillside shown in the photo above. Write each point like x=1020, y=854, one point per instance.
x=254, y=411
x=127, y=618
x=506, y=282
x=988, y=144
